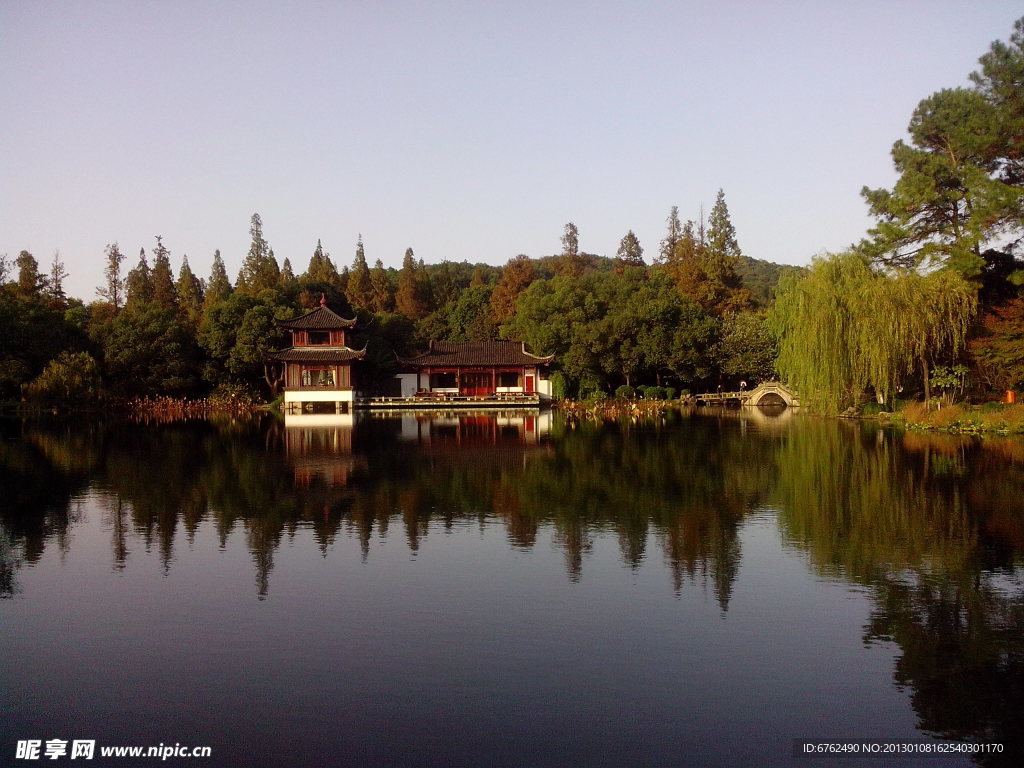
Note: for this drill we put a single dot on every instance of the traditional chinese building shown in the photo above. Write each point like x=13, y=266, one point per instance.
x=317, y=367
x=486, y=369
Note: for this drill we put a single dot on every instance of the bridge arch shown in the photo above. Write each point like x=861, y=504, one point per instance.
x=772, y=393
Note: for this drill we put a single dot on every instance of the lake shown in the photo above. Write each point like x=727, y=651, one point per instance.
x=510, y=589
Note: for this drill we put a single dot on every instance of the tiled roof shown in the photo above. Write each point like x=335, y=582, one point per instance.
x=321, y=319
x=317, y=355
x=454, y=353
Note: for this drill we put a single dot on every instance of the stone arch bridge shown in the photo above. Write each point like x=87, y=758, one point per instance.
x=765, y=393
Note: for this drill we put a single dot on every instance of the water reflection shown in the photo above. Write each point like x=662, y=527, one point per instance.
x=931, y=526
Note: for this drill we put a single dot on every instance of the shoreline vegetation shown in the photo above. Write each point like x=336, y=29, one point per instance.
x=963, y=418
x=928, y=306
x=957, y=418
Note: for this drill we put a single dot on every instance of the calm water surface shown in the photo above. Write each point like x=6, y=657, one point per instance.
x=509, y=590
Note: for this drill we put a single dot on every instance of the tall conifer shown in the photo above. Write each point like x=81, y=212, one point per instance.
x=260, y=270
x=138, y=285
x=162, y=278
x=359, y=288
x=112, y=290
x=219, y=287
x=409, y=299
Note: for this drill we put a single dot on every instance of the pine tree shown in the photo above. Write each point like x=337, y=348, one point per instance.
x=571, y=262
x=668, y=246
x=287, y=276
x=409, y=299
x=383, y=295
x=321, y=269
x=139, y=286
x=426, y=286
x=30, y=282
x=113, y=289
x=162, y=278
x=722, y=255
x=630, y=254
x=359, y=288
x=190, y=294
x=55, y=282
x=260, y=270
x=219, y=287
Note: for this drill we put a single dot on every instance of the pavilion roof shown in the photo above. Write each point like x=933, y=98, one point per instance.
x=320, y=319
x=317, y=355
x=488, y=353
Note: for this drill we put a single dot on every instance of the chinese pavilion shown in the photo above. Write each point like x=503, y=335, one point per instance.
x=317, y=373
x=491, y=369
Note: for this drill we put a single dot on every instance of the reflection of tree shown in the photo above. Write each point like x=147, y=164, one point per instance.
x=40, y=473
x=932, y=527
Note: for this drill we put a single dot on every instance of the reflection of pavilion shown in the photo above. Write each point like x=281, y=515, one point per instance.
x=320, y=455
x=467, y=429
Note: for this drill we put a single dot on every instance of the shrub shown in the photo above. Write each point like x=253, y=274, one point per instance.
x=71, y=377
x=915, y=413
x=670, y=393
x=625, y=392
x=946, y=417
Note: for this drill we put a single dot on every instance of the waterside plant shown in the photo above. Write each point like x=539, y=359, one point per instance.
x=990, y=417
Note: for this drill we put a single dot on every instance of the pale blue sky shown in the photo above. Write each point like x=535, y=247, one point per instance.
x=466, y=130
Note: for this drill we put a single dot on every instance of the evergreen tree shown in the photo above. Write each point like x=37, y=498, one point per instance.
x=55, y=283
x=138, y=285
x=668, y=246
x=112, y=290
x=630, y=254
x=260, y=270
x=426, y=287
x=287, y=277
x=30, y=282
x=219, y=287
x=359, y=287
x=961, y=177
x=321, y=269
x=721, y=256
x=999, y=82
x=703, y=264
x=947, y=201
x=571, y=262
x=162, y=278
x=190, y=295
x=409, y=299
x=383, y=295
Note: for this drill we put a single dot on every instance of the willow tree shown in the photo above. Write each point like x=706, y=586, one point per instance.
x=844, y=327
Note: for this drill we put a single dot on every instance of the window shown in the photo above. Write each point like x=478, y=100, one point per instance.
x=442, y=381
x=509, y=379
x=321, y=338
x=318, y=377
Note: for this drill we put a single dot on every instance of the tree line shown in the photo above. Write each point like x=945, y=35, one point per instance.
x=685, y=319
x=930, y=298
